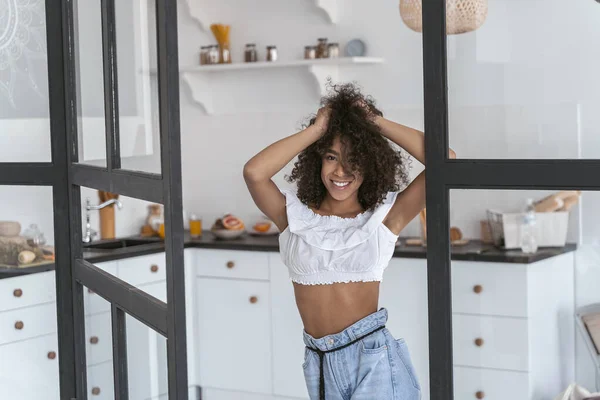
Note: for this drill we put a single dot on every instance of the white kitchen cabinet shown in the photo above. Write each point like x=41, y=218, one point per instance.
x=143, y=269
x=489, y=342
x=489, y=288
x=100, y=381
x=490, y=384
x=26, y=323
x=236, y=264
x=29, y=369
x=27, y=290
x=288, y=344
x=403, y=293
x=98, y=338
x=234, y=334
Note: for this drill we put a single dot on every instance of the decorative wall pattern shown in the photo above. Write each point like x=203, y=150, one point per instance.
x=23, y=70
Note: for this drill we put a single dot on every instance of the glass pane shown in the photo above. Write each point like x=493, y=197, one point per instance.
x=147, y=355
x=28, y=334
x=517, y=92
x=138, y=90
x=115, y=231
x=98, y=339
x=24, y=113
x=518, y=279
x=90, y=83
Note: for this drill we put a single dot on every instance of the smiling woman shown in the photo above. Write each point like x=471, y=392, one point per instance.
x=339, y=232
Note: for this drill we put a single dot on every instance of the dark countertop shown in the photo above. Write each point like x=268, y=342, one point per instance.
x=474, y=251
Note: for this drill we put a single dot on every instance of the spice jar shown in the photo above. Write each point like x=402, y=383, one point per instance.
x=310, y=52
x=204, y=55
x=333, y=50
x=271, y=53
x=322, y=48
x=250, y=54
x=213, y=54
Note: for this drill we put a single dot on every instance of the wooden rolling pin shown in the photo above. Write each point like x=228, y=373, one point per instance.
x=561, y=201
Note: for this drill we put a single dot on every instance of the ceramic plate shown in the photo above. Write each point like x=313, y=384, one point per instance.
x=356, y=48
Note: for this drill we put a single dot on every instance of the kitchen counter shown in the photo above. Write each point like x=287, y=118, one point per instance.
x=474, y=251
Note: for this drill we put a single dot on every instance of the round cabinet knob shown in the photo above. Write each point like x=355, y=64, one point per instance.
x=230, y=264
x=253, y=299
x=478, y=289
x=479, y=342
x=17, y=293
x=19, y=325
x=154, y=268
x=51, y=355
x=94, y=340
x=480, y=395
x=95, y=391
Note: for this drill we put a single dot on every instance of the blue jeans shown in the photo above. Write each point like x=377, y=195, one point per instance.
x=377, y=367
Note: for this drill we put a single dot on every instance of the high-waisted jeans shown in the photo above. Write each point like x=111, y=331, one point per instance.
x=363, y=362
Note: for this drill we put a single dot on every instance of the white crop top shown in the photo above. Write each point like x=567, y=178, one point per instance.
x=320, y=249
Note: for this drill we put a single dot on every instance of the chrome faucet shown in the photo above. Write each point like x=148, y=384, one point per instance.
x=89, y=234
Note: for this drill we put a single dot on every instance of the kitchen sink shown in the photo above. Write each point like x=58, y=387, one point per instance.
x=113, y=244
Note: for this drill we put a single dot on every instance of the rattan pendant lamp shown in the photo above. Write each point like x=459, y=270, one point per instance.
x=461, y=15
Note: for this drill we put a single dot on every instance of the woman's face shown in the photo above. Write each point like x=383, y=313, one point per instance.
x=339, y=181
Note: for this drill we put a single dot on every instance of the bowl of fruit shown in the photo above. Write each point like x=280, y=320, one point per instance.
x=228, y=227
x=264, y=227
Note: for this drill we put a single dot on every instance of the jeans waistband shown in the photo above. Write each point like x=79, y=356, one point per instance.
x=360, y=328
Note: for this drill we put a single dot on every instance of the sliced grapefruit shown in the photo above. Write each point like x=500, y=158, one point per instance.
x=232, y=223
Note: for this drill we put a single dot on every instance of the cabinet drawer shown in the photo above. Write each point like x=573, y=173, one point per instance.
x=492, y=342
x=145, y=269
x=232, y=264
x=474, y=383
x=27, y=290
x=27, y=323
x=489, y=288
x=98, y=338
x=29, y=369
x=93, y=303
x=234, y=335
x=100, y=382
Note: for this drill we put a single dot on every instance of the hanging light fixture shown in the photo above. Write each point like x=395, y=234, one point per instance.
x=461, y=15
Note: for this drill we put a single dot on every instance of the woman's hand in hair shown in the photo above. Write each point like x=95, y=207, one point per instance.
x=322, y=120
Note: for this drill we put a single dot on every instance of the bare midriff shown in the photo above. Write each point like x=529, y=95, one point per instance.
x=329, y=309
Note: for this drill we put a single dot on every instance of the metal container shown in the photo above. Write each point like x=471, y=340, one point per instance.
x=310, y=52
x=271, y=53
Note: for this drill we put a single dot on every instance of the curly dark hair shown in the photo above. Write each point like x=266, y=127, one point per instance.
x=365, y=150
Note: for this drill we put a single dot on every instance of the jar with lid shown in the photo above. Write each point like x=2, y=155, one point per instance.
x=322, y=48
x=34, y=237
x=250, y=54
x=310, y=52
x=271, y=53
x=213, y=54
x=204, y=55
x=333, y=50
